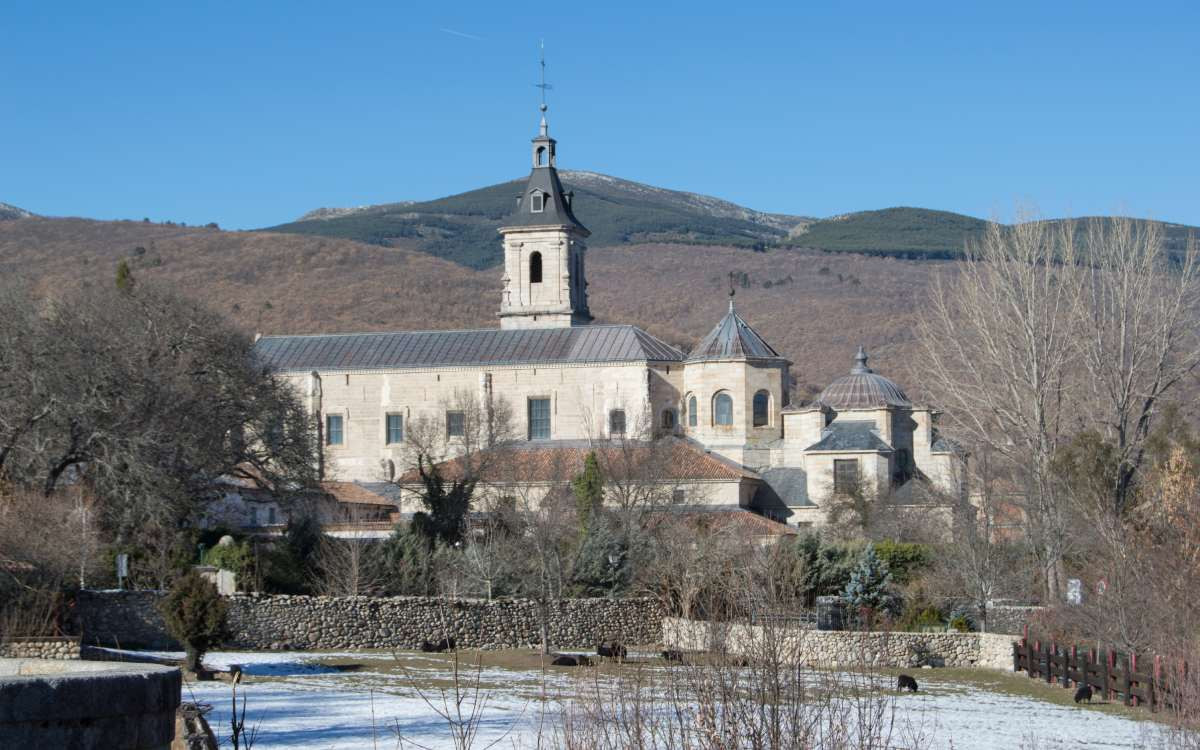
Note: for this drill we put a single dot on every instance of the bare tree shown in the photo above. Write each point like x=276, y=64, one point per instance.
x=1137, y=326
x=1002, y=352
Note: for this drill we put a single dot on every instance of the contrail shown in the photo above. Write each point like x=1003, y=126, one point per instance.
x=462, y=34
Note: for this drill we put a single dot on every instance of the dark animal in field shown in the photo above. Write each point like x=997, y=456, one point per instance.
x=611, y=650
x=568, y=660
x=672, y=655
x=1084, y=693
x=437, y=647
x=905, y=682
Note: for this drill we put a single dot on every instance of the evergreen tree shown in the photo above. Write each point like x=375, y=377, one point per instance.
x=194, y=614
x=124, y=277
x=446, y=507
x=602, y=565
x=589, y=490
x=870, y=584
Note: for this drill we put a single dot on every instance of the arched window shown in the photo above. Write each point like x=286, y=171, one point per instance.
x=535, y=268
x=762, y=409
x=693, y=417
x=668, y=419
x=541, y=156
x=723, y=409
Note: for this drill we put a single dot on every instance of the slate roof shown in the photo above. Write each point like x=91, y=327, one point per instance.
x=783, y=487
x=492, y=346
x=732, y=338
x=843, y=435
x=863, y=388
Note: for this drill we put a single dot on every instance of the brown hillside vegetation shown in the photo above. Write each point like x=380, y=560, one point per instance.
x=812, y=307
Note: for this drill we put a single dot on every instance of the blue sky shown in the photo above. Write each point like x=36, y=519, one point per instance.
x=250, y=113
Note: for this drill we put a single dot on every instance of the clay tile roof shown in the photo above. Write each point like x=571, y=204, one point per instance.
x=674, y=459
x=356, y=494
x=737, y=521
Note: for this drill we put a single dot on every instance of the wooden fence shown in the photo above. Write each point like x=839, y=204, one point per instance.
x=1113, y=675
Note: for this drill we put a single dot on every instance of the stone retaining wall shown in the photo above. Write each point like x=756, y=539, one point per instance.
x=824, y=648
x=63, y=648
x=87, y=705
x=354, y=622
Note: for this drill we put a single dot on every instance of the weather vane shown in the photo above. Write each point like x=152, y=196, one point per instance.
x=542, y=62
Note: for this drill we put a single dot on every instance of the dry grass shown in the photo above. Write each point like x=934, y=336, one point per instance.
x=281, y=283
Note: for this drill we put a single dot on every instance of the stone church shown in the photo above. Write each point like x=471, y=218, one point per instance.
x=569, y=382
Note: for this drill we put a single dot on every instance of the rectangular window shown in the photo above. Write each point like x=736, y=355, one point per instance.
x=271, y=515
x=456, y=424
x=678, y=496
x=616, y=422
x=253, y=516
x=539, y=419
x=845, y=476
x=395, y=429
x=536, y=203
x=333, y=429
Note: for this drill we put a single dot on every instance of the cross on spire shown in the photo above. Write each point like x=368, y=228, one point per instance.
x=541, y=84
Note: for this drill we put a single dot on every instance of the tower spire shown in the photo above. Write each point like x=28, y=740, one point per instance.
x=541, y=84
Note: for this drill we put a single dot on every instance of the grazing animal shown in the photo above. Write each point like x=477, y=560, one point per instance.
x=567, y=660
x=672, y=655
x=905, y=682
x=611, y=650
x=1084, y=693
x=430, y=647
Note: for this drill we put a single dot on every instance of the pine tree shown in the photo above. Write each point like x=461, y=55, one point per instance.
x=124, y=277
x=589, y=490
x=194, y=614
x=869, y=590
x=446, y=507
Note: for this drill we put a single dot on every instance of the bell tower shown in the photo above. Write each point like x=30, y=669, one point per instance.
x=543, y=284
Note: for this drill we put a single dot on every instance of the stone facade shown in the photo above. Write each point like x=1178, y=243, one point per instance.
x=820, y=648
x=318, y=622
x=1011, y=618
x=60, y=649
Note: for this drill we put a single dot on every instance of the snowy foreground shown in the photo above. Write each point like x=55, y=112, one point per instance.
x=299, y=700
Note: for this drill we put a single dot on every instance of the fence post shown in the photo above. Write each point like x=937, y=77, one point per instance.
x=1155, y=681
x=1075, y=665
x=1016, y=656
x=1051, y=656
x=1129, y=698
x=1108, y=659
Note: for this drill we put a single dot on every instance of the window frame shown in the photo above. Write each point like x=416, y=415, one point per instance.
x=529, y=418
x=341, y=430
x=536, y=267
x=451, y=416
x=669, y=419
x=766, y=409
x=616, y=418
x=387, y=428
x=693, y=411
x=537, y=202
x=716, y=415
x=839, y=487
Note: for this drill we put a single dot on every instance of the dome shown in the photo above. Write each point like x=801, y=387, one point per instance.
x=862, y=389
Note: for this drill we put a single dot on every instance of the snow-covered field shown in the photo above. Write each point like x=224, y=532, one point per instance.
x=298, y=700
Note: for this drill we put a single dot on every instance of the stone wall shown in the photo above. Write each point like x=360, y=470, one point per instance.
x=823, y=648
x=40, y=648
x=87, y=705
x=1010, y=618
x=317, y=622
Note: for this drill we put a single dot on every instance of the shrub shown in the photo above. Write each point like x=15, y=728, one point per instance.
x=195, y=616
x=870, y=586
x=903, y=559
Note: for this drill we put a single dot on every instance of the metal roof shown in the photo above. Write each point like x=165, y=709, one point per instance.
x=850, y=436
x=863, y=388
x=733, y=338
x=492, y=346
